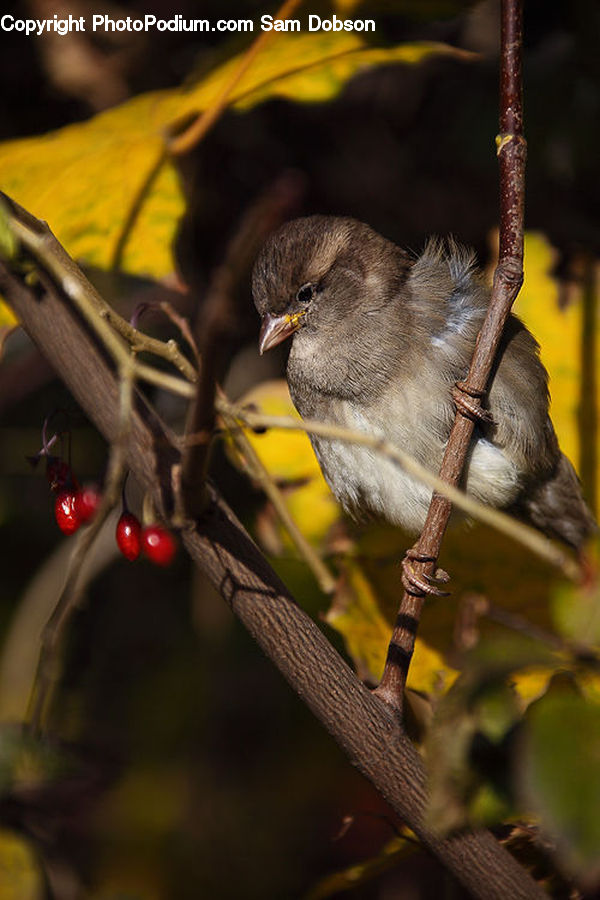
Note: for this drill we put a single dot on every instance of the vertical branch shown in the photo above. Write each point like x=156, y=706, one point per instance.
x=508, y=277
x=214, y=332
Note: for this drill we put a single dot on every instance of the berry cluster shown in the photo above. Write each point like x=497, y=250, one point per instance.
x=153, y=540
x=75, y=506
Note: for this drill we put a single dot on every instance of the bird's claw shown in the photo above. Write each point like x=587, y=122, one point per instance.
x=467, y=401
x=440, y=576
x=422, y=584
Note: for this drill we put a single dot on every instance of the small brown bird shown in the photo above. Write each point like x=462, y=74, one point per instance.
x=378, y=342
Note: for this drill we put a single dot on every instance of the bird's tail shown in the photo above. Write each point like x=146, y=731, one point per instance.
x=558, y=509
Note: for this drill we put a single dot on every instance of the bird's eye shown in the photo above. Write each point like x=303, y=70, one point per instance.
x=306, y=293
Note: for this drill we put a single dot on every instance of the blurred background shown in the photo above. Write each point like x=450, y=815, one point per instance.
x=178, y=764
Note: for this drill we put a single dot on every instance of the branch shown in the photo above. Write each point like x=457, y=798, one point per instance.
x=366, y=729
x=508, y=278
x=170, y=351
x=143, y=343
x=35, y=236
x=258, y=471
x=218, y=326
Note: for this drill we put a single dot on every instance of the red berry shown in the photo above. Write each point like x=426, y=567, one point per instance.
x=158, y=544
x=87, y=501
x=65, y=512
x=128, y=535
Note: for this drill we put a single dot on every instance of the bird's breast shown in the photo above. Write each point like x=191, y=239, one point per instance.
x=366, y=482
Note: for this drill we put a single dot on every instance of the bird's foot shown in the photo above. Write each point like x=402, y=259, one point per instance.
x=467, y=402
x=414, y=583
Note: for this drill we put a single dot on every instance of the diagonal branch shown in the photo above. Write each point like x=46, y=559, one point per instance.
x=508, y=277
x=371, y=737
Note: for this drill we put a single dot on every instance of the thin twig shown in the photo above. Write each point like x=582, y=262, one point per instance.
x=41, y=243
x=530, y=538
x=508, y=278
x=183, y=325
x=143, y=343
x=258, y=471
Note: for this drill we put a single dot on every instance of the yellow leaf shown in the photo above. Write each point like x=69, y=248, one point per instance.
x=530, y=684
x=288, y=455
x=319, y=65
x=8, y=320
x=559, y=333
x=85, y=179
x=428, y=672
x=356, y=614
x=314, y=509
x=20, y=876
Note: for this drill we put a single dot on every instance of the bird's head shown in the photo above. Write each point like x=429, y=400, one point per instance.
x=318, y=273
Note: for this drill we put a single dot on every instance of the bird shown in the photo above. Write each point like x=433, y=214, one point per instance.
x=379, y=340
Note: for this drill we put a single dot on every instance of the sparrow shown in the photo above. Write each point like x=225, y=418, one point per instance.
x=379, y=340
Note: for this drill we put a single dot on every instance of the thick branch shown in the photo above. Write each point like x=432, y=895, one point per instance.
x=364, y=727
x=508, y=278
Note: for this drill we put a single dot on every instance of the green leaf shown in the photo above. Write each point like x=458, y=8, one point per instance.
x=560, y=779
x=8, y=242
x=467, y=753
x=86, y=179
x=470, y=741
x=8, y=249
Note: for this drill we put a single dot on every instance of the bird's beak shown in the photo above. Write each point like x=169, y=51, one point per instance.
x=276, y=329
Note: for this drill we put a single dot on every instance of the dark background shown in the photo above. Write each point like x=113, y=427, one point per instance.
x=193, y=770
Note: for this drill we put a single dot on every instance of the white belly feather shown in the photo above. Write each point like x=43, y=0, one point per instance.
x=363, y=479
